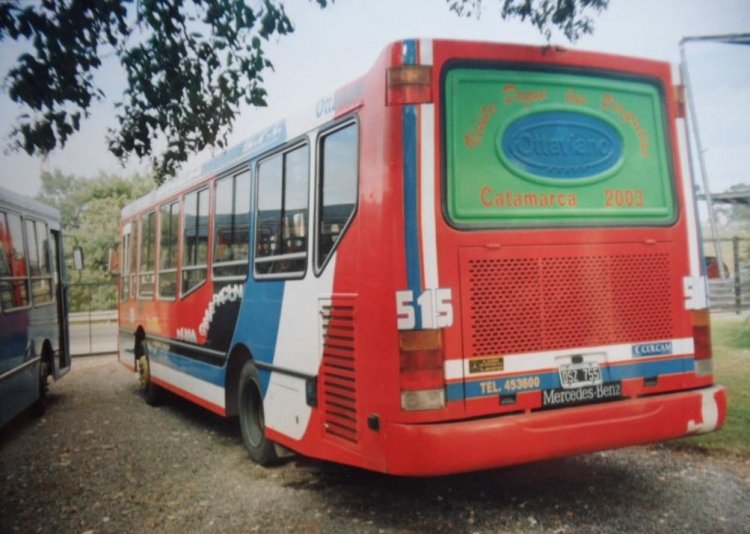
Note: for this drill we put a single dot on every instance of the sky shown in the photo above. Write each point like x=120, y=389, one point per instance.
x=331, y=47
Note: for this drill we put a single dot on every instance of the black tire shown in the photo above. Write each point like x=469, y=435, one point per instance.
x=40, y=405
x=252, y=420
x=153, y=394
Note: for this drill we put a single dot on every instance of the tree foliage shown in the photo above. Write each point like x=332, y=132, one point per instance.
x=190, y=65
x=90, y=211
x=573, y=17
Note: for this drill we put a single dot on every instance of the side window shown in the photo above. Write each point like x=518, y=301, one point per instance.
x=337, y=188
x=147, y=252
x=133, y=261
x=47, y=267
x=283, y=213
x=14, y=281
x=127, y=261
x=168, y=221
x=232, y=226
x=37, y=240
x=32, y=248
x=194, y=240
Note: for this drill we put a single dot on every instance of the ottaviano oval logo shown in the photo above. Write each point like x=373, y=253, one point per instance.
x=561, y=145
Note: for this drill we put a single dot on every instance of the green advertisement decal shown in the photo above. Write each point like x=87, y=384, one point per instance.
x=554, y=149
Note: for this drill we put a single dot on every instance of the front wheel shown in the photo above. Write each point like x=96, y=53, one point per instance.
x=153, y=394
x=40, y=406
x=252, y=421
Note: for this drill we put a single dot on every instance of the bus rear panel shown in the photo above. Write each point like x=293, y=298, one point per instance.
x=566, y=239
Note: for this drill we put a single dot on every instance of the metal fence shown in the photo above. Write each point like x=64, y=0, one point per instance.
x=92, y=331
x=728, y=270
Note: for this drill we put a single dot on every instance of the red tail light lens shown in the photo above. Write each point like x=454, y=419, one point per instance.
x=421, y=370
x=422, y=377
x=702, y=343
x=702, y=335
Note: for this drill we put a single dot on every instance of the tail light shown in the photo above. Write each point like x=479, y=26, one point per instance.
x=422, y=377
x=409, y=84
x=702, y=342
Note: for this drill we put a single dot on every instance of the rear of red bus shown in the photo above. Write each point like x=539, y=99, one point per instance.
x=549, y=296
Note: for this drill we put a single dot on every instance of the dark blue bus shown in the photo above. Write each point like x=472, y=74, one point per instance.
x=34, y=346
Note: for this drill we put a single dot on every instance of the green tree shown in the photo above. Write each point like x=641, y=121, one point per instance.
x=572, y=17
x=190, y=64
x=90, y=216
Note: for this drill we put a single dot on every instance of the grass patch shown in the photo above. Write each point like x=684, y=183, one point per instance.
x=731, y=349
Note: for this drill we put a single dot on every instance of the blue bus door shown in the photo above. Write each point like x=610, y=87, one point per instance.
x=62, y=365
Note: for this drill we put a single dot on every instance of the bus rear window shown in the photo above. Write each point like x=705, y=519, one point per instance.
x=548, y=149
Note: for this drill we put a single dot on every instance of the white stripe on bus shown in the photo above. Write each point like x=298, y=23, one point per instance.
x=427, y=180
x=520, y=363
x=427, y=193
x=200, y=388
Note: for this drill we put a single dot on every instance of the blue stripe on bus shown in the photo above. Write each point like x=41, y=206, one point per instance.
x=409, y=52
x=411, y=212
x=259, y=322
x=189, y=366
x=551, y=380
x=259, y=318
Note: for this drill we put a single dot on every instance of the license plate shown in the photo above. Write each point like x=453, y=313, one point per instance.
x=576, y=375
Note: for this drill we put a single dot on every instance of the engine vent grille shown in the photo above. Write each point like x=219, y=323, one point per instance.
x=337, y=375
x=516, y=305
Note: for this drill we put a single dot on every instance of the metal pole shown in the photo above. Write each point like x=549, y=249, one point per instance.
x=692, y=119
x=737, y=284
x=91, y=337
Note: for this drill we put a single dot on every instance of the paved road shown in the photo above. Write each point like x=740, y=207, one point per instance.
x=102, y=461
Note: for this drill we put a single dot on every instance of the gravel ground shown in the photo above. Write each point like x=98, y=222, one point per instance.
x=102, y=461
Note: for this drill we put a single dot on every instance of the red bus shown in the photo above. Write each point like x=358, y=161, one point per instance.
x=475, y=255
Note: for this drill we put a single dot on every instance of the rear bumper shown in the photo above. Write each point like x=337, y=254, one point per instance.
x=454, y=447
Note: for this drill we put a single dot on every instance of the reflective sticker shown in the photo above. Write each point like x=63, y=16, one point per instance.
x=696, y=293
x=653, y=349
x=486, y=365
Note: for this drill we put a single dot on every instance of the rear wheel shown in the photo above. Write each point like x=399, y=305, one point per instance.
x=252, y=419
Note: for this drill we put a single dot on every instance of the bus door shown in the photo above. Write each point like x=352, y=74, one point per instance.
x=62, y=365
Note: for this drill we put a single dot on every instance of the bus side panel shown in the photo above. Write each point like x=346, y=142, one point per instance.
x=179, y=319
x=18, y=391
x=344, y=345
x=19, y=369
x=23, y=334
x=280, y=324
x=358, y=386
x=180, y=336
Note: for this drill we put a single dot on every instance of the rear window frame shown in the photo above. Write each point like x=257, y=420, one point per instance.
x=522, y=66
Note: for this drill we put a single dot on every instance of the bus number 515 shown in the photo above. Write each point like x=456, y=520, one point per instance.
x=434, y=305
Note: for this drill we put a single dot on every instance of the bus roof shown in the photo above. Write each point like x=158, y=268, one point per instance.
x=326, y=108
x=28, y=205
x=304, y=120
